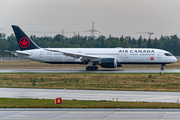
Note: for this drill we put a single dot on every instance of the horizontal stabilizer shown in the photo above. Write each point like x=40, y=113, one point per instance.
x=16, y=53
x=12, y=52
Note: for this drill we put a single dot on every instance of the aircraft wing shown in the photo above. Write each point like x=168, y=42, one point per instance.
x=17, y=53
x=77, y=55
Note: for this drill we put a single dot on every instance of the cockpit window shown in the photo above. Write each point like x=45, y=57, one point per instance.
x=168, y=54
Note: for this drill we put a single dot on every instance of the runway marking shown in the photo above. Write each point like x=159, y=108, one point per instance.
x=110, y=115
x=164, y=115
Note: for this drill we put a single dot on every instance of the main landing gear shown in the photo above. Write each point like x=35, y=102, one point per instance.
x=91, y=68
x=162, y=66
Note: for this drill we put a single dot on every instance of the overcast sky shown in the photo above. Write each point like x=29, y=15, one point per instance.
x=115, y=17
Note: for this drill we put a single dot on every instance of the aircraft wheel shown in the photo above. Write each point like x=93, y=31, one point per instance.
x=92, y=68
x=162, y=68
x=88, y=68
x=96, y=68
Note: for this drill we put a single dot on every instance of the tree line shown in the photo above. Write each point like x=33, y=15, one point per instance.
x=171, y=44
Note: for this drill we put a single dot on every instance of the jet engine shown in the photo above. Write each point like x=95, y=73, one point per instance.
x=108, y=62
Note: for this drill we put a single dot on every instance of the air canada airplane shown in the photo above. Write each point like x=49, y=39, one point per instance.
x=105, y=57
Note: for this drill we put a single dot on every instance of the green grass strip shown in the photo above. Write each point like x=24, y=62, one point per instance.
x=130, y=82
x=49, y=103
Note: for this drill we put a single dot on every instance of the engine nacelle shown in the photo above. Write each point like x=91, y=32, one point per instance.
x=108, y=62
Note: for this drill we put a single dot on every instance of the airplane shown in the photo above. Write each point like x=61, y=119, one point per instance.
x=105, y=57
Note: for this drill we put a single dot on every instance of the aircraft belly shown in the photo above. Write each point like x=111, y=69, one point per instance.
x=48, y=58
x=57, y=59
x=68, y=59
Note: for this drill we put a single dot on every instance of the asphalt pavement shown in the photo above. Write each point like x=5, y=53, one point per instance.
x=84, y=71
x=129, y=96
x=89, y=114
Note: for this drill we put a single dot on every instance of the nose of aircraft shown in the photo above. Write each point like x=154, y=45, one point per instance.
x=175, y=59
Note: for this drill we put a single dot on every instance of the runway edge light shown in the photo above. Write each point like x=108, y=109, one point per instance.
x=58, y=101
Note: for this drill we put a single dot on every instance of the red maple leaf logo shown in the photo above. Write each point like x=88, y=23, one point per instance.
x=24, y=42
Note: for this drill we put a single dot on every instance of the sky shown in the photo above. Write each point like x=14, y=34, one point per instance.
x=115, y=17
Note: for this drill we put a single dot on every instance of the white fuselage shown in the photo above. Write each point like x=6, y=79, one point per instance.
x=123, y=55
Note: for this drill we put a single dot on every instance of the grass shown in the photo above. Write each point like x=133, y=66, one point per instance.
x=49, y=103
x=26, y=64
x=138, y=82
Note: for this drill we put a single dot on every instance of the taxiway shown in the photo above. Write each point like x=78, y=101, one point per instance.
x=84, y=71
x=129, y=96
x=89, y=114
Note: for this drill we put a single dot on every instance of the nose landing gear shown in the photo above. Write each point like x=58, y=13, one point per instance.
x=162, y=66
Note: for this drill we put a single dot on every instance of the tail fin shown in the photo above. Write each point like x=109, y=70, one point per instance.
x=25, y=43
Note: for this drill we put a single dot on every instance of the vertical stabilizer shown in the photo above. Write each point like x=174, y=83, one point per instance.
x=24, y=42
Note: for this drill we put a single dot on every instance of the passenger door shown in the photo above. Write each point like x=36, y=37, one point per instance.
x=159, y=55
x=126, y=55
x=41, y=55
